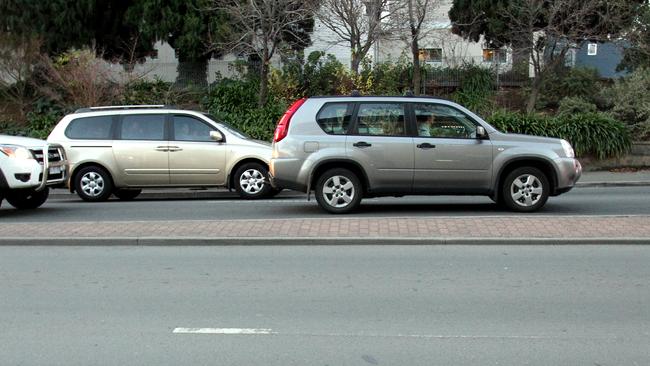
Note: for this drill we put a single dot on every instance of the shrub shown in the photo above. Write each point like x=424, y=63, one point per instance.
x=12, y=128
x=155, y=92
x=569, y=82
x=594, y=134
x=630, y=102
x=575, y=105
x=235, y=102
x=476, y=88
x=42, y=119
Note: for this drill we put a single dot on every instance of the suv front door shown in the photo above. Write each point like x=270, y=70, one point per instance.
x=194, y=158
x=140, y=150
x=380, y=142
x=448, y=156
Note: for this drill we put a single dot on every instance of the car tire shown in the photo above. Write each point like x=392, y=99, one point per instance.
x=338, y=191
x=27, y=199
x=93, y=184
x=525, y=189
x=252, y=181
x=127, y=194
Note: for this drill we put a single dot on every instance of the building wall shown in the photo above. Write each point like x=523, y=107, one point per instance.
x=606, y=59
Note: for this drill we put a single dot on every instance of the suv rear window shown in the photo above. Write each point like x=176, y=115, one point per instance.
x=334, y=118
x=90, y=128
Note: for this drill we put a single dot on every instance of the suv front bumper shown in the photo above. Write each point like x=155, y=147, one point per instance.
x=569, y=171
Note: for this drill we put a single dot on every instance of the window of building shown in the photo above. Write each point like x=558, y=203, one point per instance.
x=495, y=55
x=431, y=54
x=592, y=49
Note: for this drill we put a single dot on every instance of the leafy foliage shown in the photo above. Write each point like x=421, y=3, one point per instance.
x=575, y=105
x=476, y=89
x=630, y=102
x=569, y=82
x=235, y=102
x=594, y=134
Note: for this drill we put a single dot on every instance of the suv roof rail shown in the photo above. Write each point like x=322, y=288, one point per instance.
x=122, y=107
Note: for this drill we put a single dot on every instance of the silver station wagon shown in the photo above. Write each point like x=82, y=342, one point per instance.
x=120, y=150
x=348, y=148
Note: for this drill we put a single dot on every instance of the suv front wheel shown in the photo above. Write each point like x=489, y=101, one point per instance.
x=338, y=191
x=525, y=189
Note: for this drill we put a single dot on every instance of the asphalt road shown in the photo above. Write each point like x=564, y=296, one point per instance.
x=580, y=201
x=441, y=305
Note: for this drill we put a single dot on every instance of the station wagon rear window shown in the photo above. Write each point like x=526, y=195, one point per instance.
x=90, y=128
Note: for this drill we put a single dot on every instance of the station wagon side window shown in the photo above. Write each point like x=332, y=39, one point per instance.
x=90, y=128
x=186, y=128
x=442, y=121
x=335, y=118
x=143, y=127
x=381, y=119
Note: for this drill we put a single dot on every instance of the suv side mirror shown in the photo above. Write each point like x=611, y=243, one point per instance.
x=216, y=136
x=481, y=134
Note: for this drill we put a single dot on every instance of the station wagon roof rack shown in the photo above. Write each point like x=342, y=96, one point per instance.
x=122, y=107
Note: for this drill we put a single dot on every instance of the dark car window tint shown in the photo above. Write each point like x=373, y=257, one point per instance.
x=335, y=118
x=143, y=127
x=436, y=120
x=381, y=119
x=90, y=128
x=190, y=129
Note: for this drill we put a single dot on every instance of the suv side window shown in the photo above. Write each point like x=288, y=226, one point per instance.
x=90, y=128
x=441, y=121
x=381, y=119
x=143, y=127
x=186, y=128
x=334, y=118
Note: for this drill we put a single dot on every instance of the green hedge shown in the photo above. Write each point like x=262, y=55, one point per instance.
x=595, y=134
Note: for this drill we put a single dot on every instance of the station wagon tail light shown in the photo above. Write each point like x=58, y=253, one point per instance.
x=283, y=126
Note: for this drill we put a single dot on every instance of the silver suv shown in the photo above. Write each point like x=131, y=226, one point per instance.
x=347, y=148
x=121, y=149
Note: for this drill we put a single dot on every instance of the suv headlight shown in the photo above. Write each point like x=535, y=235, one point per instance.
x=568, y=149
x=16, y=152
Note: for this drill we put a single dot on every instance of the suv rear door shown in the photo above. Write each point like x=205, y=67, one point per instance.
x=381, y=143
x=141, y=149
x=448, y=156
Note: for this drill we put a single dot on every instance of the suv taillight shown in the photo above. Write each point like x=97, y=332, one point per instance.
x=283, y=126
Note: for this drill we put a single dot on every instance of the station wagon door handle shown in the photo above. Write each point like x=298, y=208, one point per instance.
x=361, y=144
x=174, y=148
x=426, y=146
x=162, y=148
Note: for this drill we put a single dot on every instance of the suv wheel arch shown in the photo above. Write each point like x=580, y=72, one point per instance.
x=326, y=165
x=535, y=162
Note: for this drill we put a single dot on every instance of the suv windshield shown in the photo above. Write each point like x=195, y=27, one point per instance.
x=228, y=127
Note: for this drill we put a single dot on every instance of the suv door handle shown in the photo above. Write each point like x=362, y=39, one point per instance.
x=162, y=148
x=426, y=146
x=174, y=148
x=361, y=144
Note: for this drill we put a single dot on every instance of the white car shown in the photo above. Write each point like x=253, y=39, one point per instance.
x=28, y=167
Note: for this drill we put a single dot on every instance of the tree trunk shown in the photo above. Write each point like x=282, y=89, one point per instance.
x=417, y=79
x=264, y=83
x=355, y=61
x=534, y=94
x=192, y=73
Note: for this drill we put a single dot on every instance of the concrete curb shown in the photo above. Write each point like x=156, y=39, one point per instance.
x=612, y=184
x=302, y=241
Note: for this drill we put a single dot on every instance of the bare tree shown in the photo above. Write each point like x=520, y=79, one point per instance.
x=357, y=23
x=259, y=27
x=414, y=21
x=18, y=58
x=548, y=29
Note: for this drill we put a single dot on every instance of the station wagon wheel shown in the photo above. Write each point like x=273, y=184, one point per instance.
x=338, y=191
x=251, y=181
x=525, y=189
x=93, y=184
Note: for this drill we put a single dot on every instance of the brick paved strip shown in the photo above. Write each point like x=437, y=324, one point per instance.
x=347, y=227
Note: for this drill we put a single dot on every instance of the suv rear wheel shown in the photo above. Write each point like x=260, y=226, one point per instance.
x=338, y=191
x=525, y=189
x=252, y=182
x=93, y=184
x=27, y=199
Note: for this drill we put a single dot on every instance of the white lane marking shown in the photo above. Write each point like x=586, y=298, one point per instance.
x=228, y=331
x=256, y=331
